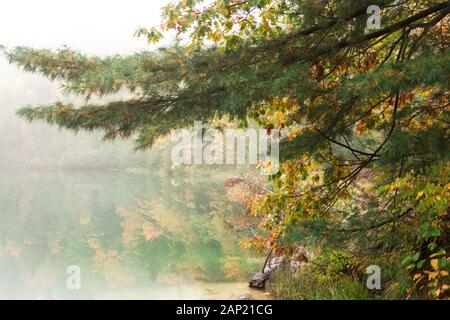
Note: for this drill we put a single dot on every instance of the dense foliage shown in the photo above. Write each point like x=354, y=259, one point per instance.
x=364, y=116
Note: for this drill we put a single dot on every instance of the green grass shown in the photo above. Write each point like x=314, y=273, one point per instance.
x=312, y=286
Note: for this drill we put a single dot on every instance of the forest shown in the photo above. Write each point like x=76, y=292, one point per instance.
x=359, y=92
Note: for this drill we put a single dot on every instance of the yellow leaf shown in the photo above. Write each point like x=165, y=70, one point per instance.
x=426, y=93
x=435, y=264
x=417, y=276
x=444, y=273
x=432, y=275
x=420, y=194
x=216, y=36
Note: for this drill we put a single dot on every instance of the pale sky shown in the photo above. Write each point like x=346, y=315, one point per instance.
x=91, y=26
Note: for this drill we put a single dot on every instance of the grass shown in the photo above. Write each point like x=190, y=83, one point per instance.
x=312, y=286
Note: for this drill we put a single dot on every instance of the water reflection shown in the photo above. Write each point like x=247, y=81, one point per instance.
x=132, y=235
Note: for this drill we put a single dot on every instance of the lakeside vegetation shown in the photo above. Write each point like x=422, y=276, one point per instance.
x=364, y=114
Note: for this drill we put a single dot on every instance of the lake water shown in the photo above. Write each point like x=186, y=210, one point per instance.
x=132, y=236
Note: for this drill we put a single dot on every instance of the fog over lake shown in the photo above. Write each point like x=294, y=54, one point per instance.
x=135, y=227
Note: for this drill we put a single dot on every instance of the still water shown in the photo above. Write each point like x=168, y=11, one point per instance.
x=132, y=235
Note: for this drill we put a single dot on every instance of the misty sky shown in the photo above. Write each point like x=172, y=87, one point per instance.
x=91, y=26
x=97, y=27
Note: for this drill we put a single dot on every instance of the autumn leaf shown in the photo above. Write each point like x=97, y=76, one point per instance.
x=435, y=264
x=432, y=275
x=417, y=276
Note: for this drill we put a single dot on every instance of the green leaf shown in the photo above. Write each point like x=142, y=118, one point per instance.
x=435, y=232
x=439, y=253
x=411, y=259
x=420, y=264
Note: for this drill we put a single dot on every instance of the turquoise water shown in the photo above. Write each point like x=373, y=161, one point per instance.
x=132, y=236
